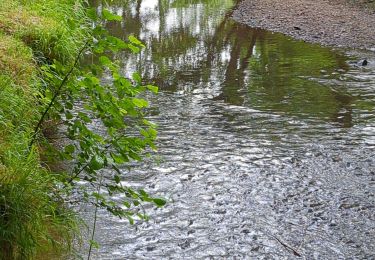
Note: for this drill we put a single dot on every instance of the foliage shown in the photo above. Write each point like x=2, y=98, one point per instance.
x=104, y=122
x=33, y=215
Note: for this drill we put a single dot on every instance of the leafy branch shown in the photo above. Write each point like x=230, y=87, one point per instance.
x=103, y=121
x=56, y=95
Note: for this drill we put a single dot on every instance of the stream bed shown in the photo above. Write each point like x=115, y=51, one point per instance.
x=266, y=145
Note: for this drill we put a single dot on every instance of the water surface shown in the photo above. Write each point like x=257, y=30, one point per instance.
x=265, y=143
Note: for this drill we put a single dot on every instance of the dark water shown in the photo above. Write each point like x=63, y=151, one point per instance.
x=265, y=143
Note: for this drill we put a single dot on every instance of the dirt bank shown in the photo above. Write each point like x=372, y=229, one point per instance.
x=334, y=22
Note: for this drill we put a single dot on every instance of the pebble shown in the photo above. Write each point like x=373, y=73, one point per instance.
x=320, y=23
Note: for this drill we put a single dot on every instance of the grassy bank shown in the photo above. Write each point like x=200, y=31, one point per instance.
x=32, y=32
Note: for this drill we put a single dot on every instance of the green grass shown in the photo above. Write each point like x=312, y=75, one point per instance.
x=16, y=59
x=33, y=219
x=51, y=28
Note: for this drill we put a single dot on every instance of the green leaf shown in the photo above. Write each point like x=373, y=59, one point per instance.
x=135, y=41
x=84, y=117
x=152, y=88
x=96, y=163
x=135, y=156
x=139, y=102
x=99, y=49
x=123, y=111
x=118, y=158
x=143, y=193
x=146, y=122
x=126, y=204
x=69, y=105
x=131, y=220
x=107, y=15
x=117, y=179
x=133, y=48
x=105, y=61
x=137, y=77
x=159, y=202
x=115, y=43
x=68, y=115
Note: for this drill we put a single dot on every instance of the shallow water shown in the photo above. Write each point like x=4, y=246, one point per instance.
x=265, y=143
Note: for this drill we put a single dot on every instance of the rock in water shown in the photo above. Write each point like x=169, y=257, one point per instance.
x=363, y=62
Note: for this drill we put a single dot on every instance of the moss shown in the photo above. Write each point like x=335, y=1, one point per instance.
x=33, y=220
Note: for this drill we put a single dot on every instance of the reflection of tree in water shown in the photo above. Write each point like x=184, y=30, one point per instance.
x=343, y=115
x=241, y=40
x=248, y=66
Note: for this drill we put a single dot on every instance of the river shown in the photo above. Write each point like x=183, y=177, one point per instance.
x=266, y=145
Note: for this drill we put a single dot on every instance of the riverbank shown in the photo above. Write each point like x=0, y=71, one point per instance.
x=32, y=33
x=333, y=23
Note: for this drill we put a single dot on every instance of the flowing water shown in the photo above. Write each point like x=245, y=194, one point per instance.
x=266, y=144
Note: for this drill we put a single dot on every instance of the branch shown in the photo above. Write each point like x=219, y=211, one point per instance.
x=295, y=252
x=57, y=93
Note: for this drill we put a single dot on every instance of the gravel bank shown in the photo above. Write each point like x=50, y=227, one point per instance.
x=332, y=23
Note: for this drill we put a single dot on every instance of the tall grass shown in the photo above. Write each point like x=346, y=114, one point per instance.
x=30, y=213
x=33, y=217
x=53, y=29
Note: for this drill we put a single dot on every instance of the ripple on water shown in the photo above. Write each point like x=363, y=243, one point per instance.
x=231, y=191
